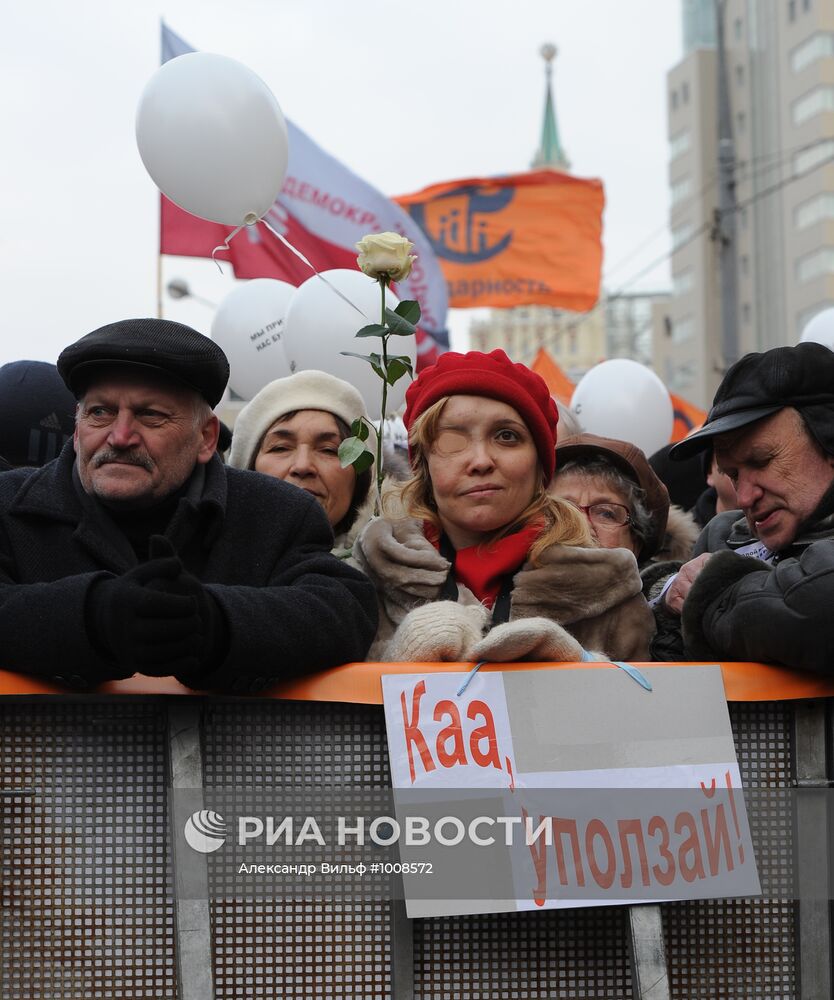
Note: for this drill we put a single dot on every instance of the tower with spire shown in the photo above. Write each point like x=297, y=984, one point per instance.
x=575, y=341
x=550, y=154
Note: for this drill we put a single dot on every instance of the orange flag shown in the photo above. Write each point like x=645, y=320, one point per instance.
x=551, y=371
x=687, y=418
x=524, y=239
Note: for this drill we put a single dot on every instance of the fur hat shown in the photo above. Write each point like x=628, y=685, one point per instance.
x=307, y=390
x=159, y=345
x=492, y=375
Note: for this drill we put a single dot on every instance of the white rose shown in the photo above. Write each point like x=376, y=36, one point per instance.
x=385, y=255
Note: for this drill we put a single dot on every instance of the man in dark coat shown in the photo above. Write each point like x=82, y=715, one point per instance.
x=761, y=586
x=137, y=550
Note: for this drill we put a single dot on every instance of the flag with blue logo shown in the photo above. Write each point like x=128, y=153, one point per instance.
x=516, y=240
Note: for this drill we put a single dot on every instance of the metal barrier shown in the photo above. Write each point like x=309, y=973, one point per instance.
x=91, y=905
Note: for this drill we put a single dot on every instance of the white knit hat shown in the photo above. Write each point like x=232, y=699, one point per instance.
x=307, y=390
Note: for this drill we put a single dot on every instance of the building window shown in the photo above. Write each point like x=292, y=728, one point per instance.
x=745, y=312
x=740, y=75
x=806, y=5
x=741, y=119
x=737, y=29
x=685, y=92
x=814, y=210
x=791, y=10
x=679, y=376
x=814, y=103
x=682, y=282
x=679, y=144
x=811, y=157
x=815, y=264
x=681, y=190
x=674, y=100
x=681, y=233
x=818, y=46
x=682, y=330
x=745, y=264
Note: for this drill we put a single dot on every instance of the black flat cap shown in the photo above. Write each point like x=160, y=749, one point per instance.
x=161, y=345
x=759, y=385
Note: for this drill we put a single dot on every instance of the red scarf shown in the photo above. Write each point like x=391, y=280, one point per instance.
x=483, y=567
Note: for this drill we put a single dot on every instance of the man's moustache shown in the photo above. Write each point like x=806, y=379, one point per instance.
x=122, y=458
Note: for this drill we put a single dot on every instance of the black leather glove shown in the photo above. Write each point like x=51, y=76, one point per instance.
x=156, y=618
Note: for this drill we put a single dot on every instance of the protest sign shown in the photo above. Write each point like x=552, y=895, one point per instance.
x=548, y=789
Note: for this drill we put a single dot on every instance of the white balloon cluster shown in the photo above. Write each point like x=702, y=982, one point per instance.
x=213, y=138
x=321, y=327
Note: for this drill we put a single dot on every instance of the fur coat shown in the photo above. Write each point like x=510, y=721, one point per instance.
x=594, y=593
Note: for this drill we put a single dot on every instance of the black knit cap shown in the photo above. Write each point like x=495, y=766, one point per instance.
x=37, y=413
x=176, y=350
x=762, y=384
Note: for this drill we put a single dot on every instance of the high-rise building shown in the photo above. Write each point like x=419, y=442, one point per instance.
x=616, y=328
x=779, y=62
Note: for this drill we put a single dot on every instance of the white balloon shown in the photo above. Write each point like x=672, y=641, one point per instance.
x=249, y=326
x=320, y=325
x=625, y=400
x=213, y=138
x=820, y=329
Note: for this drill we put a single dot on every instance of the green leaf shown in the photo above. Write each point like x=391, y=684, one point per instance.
x=409, y=310
x=359, y=429
x=374, y=360
x=397, y=325
x=372, y=330
x=349, y=451
x=365, y=461
x=396, y=370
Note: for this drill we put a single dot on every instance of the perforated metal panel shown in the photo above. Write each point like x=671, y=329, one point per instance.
x=744, y=948
x=335, y=946
x=523, y=956
x=85, y=906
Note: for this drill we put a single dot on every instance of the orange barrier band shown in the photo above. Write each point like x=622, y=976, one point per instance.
x=360, y=683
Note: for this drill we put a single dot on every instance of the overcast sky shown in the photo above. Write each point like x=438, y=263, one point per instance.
x=405, y=94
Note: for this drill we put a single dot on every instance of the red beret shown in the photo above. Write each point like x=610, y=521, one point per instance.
x=492, y=375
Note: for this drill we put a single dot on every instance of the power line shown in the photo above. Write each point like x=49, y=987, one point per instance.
x=784, y=154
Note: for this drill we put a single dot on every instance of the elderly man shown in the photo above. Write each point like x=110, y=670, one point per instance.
x=761, y=586
x=137, y=550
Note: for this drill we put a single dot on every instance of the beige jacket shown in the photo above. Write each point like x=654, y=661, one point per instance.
x=594, y=593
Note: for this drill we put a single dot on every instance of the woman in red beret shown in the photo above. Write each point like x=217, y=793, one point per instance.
x=481, y=563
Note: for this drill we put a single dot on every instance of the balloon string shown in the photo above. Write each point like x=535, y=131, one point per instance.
x=224, y=246
x=301, y=257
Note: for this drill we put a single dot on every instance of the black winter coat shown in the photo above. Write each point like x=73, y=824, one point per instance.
x=741, y=608
x=261, y=546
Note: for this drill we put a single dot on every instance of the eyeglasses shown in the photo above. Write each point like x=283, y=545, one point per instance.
x=605, y=515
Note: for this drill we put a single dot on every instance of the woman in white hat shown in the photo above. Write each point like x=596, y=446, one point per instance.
x=292, y=430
